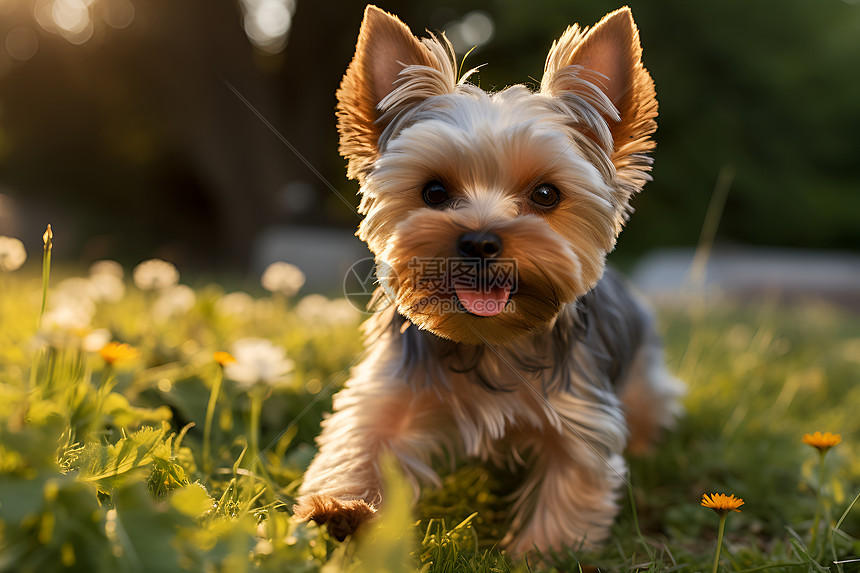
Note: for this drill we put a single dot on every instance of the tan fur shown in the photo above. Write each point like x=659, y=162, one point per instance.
x=611, y=54
x=546, y=277
x=342, y=517
x=649, y=409
x=385, y=45
x=559, y=378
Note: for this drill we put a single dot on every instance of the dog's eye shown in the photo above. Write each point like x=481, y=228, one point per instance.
x=435, y=194
x=545, y=195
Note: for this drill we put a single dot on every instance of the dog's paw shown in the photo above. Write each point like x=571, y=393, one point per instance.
x=340, y=516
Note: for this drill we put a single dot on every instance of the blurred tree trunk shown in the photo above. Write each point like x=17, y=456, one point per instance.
x=195, y=47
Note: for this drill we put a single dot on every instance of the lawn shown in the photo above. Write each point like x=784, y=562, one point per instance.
x=129, y=442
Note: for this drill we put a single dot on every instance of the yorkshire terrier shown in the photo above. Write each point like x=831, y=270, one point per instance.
x=490, y=216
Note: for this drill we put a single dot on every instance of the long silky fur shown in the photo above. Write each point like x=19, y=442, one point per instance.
x=631, y=139
x=607, y=323
x=571, y=371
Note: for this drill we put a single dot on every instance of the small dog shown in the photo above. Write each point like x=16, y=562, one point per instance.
x=492, y=215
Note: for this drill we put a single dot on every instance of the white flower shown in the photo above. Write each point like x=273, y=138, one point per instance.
x=107, y=267
x=258, y=361
x=67, y=324
x=174, y=301
x=68, y=317
x=341, y=312
x=96, y=340
x=12, y=253
x=97, y=288
x=312, y=309
x=155, y=274
x=71, y=312
x=107, y=287
x=72, y=290
x=316, y=309
x=283, y=277
x=235, y=304
x=106, y=278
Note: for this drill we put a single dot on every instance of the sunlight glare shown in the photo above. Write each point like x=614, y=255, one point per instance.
x=272, y=19
x=119, y=14
x=267, y=23
x=71, y=15
x=42, y=13
x=69, y=18
x=474, y=30
x=22, y=43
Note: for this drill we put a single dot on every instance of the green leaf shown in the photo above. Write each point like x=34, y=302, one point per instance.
x=21, y=498
x=143, y=531
x=101, y=463
x=387, y=546
x=192, y=500
x=117, y=407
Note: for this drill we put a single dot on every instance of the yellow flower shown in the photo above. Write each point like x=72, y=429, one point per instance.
x=721, y=503
x=116, y=352
x=224, y=358
x=821, y=441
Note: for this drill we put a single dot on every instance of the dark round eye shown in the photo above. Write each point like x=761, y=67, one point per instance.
x=435, y=194
x=545, y=195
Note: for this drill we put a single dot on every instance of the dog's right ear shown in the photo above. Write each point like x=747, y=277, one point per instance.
x=385, y=48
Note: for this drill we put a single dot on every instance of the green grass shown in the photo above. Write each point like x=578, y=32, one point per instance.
x=101, y=468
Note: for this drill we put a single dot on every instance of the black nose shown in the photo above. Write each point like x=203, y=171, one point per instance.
x=480, y=244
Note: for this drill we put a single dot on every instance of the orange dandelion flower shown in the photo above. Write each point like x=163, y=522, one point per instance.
x=116, y=352
x=822, y=442
x=224, y=358
x=721, y=503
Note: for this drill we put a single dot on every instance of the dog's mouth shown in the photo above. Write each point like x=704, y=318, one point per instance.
x=484, y=302
x=480, y=288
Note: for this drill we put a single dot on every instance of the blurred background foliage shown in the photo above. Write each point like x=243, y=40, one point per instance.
x=117, y=124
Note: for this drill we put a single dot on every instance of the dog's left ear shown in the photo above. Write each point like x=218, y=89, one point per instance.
x=609, y=57
x=387, y=55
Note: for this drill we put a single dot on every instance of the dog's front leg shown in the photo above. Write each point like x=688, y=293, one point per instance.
x=375, y=414
x=568, y=499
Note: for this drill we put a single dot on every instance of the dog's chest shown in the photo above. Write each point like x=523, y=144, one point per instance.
x=496, y=399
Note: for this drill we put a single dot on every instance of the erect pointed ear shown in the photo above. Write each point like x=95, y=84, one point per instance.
x=385, y=48
x=609, y=57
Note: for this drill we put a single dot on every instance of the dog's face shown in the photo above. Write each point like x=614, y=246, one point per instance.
x=491, y=211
